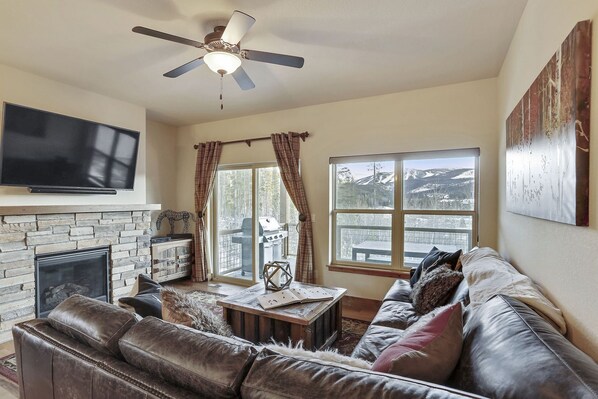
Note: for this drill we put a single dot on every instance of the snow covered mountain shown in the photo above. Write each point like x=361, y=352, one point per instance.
x=449, y=182
x=425, y=188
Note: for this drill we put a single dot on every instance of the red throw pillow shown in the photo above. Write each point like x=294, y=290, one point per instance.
x=428, y=353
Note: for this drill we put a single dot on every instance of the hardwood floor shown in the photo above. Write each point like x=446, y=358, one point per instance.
x=8, y=390
x=7, y=348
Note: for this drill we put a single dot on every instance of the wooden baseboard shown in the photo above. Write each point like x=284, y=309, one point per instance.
x=360, y=308
x=370, y=272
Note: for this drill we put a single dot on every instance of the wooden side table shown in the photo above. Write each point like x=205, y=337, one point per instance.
x=317, y=324
x=172, y=259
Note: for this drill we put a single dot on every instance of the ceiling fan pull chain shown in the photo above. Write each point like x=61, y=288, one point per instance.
x=221, y=102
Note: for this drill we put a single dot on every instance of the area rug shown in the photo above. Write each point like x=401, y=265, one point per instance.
x=353, y=329
x=8, y=367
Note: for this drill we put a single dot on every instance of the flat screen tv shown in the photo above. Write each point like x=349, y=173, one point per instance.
x=44, y=150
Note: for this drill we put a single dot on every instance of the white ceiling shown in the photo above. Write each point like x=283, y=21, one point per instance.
x=352, y=49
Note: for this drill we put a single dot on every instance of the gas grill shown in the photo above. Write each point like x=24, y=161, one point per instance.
x=270, y=240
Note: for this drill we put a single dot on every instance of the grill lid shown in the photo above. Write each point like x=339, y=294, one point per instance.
x=267, y=225
x=269, y=231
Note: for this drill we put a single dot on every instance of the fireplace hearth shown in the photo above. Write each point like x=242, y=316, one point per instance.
x=61, y=275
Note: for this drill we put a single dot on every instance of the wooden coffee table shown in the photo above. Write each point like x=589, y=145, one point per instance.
x=317, y=324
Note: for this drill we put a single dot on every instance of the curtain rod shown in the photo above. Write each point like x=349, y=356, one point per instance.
x=302, y=136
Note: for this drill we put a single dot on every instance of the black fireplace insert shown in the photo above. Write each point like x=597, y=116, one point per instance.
x=60, y=275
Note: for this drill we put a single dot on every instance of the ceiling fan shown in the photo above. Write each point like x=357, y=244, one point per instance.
x=224, y=50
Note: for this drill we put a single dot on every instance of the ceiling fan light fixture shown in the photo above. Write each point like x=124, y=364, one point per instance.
x=222, y=62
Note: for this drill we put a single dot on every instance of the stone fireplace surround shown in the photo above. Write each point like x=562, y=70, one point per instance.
x=29, y=231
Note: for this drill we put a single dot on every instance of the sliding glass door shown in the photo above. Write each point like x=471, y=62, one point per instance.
x=255, y=222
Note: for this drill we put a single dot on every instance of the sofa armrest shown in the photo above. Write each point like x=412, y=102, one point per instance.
x=504, y=337
x=52, y=365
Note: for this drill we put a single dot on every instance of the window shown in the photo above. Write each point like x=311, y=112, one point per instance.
x=388, y=211
x=241, y=246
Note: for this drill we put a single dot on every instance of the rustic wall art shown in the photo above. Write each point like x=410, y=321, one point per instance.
x=548, y=137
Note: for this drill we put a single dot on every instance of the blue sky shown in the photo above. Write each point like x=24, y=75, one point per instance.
x=453, y=163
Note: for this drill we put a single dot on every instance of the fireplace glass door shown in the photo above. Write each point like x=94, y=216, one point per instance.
x=59, y=276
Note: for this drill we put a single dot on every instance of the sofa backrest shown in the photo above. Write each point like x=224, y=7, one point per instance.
x=509, y=351
x=460, y=294
x=95, y=323
x=213, y=366
x=274, y=375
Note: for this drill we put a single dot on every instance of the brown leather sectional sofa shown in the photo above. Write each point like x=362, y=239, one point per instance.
x=89, y=349
x=509, y=351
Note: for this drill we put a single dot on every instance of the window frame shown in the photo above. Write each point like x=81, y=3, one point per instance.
x=398, y=212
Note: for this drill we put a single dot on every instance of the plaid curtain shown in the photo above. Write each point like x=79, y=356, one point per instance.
x=286, y=148
x=208, y=155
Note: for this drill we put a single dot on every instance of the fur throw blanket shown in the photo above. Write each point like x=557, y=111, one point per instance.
x=180, y=308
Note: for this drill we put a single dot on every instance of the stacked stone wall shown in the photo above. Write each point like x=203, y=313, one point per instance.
x=22, y=237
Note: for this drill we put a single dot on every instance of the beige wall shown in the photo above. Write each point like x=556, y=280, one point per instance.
x=161, y=169
x=37, y=92
x=455, y=116
x=563, y=259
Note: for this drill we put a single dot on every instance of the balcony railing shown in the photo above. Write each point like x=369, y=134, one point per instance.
x=355, y=239
x=372, y=244
x=229, y=253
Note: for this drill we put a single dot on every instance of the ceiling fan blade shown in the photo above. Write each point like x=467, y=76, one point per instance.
x=243, y=80
x=167, y=36
x=237, y=27
x=273, y=58
x=176, y=72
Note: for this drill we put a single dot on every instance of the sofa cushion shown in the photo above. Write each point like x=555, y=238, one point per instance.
x=269, y=378
x=400, y=291
x=396, y=315
x=434, y=259
x=428, y=353
x=374, y=341
x=511, y=352
x=146, y=302
x=434, y=288
x=210, y=365
x=95, y=323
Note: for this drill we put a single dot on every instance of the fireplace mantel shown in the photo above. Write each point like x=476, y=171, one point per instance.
x=50, y=209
